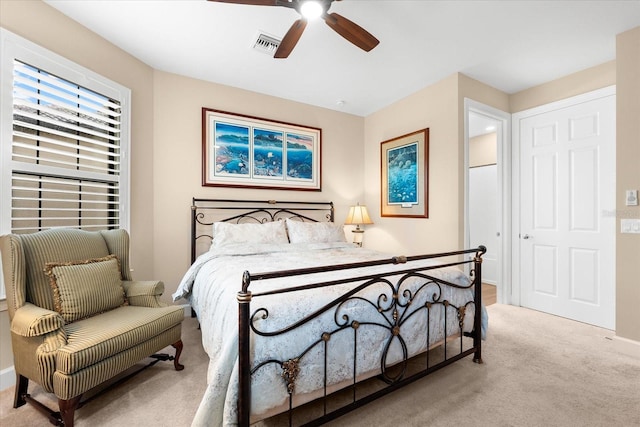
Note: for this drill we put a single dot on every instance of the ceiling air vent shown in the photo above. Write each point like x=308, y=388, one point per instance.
x=266, y=44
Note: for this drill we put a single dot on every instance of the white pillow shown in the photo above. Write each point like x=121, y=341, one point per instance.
x=315, y=232
x=225, y=233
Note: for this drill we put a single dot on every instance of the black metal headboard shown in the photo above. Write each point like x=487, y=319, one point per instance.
x=204, y=212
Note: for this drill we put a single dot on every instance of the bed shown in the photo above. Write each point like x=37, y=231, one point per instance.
x=302, y=326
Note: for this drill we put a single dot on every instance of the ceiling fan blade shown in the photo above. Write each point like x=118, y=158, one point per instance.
x=351, y=31
x=290, y=39
x=251, y=2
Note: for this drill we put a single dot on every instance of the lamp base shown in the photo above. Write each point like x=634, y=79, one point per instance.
x=357, y=236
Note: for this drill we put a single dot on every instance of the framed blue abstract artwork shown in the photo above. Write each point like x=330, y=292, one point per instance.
x=405, y=176
x=252, y=152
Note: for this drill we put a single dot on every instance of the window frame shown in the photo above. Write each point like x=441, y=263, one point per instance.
x=15, y=47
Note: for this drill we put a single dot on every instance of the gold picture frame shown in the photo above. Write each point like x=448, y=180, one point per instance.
x=404, y=171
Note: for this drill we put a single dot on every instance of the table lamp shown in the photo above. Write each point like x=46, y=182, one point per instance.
x=358, y=216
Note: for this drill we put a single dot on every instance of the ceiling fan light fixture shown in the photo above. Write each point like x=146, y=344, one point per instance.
x=311, y=9
x=308, y=9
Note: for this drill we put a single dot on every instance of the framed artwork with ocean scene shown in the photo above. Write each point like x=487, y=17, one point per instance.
x=405, y=176
x=246, y=151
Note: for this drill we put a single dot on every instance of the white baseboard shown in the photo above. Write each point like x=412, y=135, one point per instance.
x=626, y=346
x=7, y=378
x=626, y=340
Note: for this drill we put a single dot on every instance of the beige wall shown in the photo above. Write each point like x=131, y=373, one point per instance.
x=483, y=150
x=439, y=107
x=178, y=150
x=436, y=108
x=627, y=178
x=480, y=92
x=593, y=78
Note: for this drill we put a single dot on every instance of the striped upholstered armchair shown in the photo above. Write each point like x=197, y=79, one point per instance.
x=77, y=317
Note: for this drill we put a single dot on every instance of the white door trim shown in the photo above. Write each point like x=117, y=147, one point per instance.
x=504, y=288
x=515, y=163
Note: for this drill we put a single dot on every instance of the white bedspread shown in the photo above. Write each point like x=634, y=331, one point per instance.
x=211, y=286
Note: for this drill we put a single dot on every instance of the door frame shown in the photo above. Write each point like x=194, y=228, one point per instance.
x=503, y=157
x=515, y=164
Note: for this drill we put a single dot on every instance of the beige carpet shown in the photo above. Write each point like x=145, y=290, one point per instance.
x=539, y=370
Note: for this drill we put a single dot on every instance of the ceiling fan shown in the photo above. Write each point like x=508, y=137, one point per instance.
x=341, y=25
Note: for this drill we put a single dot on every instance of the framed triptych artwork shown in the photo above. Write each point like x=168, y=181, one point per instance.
x=245, y=151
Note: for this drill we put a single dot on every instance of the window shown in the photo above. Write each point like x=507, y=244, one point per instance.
x=63, y=145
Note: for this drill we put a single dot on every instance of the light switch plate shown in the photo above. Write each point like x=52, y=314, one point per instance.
x=631, y=198
x=630, y=226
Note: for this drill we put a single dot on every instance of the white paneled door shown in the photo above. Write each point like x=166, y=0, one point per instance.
x=567, y=226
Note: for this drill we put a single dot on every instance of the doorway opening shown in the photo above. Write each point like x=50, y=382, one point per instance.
x=487, y=195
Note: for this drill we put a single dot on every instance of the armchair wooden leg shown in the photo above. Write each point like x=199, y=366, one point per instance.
x=22, y=385
x=68, y=409
x=176, y=364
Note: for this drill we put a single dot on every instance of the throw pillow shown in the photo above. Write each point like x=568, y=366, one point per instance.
x=85, y=288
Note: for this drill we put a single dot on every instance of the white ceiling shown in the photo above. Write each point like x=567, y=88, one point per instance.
x=510, y=45
x=481, y=125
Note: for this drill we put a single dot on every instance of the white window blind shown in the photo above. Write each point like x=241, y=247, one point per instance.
x=64, y=143
x=66, y=154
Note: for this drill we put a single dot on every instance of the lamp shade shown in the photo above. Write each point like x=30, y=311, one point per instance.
x=358, y=215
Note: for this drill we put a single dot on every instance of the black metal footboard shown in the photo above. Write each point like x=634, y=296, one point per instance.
x=396, y=305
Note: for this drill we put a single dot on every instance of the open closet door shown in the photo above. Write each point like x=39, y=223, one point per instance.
x=483, y=217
